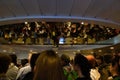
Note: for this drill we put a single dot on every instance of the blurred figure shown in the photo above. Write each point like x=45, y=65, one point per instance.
x=103, y=67
x=94, y=74
x=82, y=67
x=55, y=36
x=99, y=60
x=13, y=69
x=65, y=60
x=24, y=62
x=26, y=31
x=48, y=67
x=115, y=68
x=67, y=67
x=24, y=70
x=30, y=75
x=4, y=65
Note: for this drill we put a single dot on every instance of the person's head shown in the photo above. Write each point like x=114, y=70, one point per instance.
x=92, y=60
x=48, y=67
x=65, y=59
x=117, y=52
x=14, y=58
x=115, y=66
x=81, y=65
x=30, y=55
x=99, y=60
x=33, y=60
x=107, y=58
x=24, y=62
x=4, y=62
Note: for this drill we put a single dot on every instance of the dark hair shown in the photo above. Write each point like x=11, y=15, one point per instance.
x=91, y=60
x=84, y=65
x=30, y=75
x=100, y=57
x=116, y=60
x=24, y=62
x=14, y=58
x=49, y=63
x=107, y=58
x=33, y=59
x=4, y=62
x=66, y=59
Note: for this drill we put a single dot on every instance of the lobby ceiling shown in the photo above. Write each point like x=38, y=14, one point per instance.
x=104, y=12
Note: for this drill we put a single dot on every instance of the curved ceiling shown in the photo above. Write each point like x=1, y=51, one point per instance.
x=104, y=12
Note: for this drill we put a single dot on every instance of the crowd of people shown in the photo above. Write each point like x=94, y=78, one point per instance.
x=47, y=31
x=48, y=65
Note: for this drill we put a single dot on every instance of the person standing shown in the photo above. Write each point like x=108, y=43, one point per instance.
x=82, y=67
x=4, y=65
x=115, y=67
x=48, y=67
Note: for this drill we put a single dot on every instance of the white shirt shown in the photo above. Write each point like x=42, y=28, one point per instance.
x=94, y=74
x=23, y=71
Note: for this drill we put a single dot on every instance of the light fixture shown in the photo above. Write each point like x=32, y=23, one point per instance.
x=82, y=22
x=100, y=50
x=56, y=52
x=111, y=47
x=26, y=22
x=92, y=52
x=4, y=50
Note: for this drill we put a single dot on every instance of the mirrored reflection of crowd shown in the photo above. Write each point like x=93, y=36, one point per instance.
x=47, y=65
x=51, y=32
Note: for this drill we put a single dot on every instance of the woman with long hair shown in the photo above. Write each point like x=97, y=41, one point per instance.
x=48, y=67
x=115, y=67
x=82, y=67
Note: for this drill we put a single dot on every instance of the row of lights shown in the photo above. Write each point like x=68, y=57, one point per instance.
x=112, y=48
x=68, y=22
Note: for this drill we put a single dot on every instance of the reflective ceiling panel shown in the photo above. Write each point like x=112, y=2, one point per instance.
x=104, y=12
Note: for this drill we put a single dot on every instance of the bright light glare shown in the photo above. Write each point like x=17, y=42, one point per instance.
x=82, y=22
x=26, y=22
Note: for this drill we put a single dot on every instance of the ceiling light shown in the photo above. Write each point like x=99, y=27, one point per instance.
x=111, y=47
x=4, y=50
x=99, y=50
x=26, y=22
x=92, y=52
x=82, y=22
x=56, y=52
